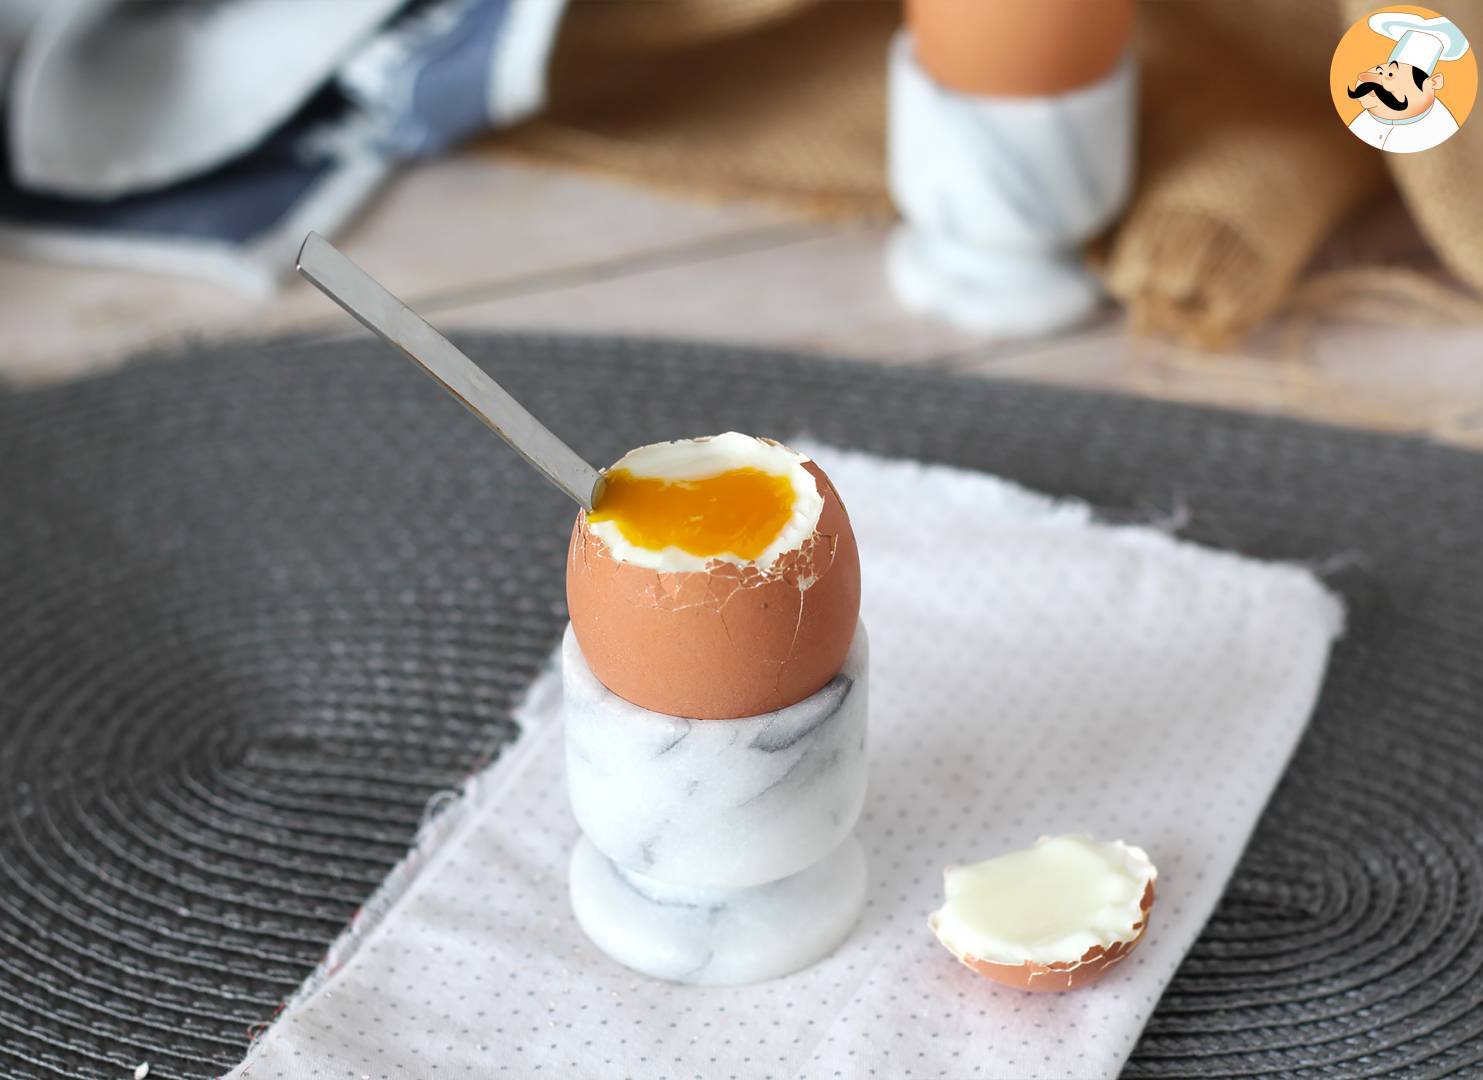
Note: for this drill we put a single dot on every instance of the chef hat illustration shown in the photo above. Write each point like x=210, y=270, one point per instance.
x=1420, y=42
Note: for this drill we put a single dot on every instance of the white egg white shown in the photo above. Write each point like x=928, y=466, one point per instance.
x=697, y=459
x=1048, y=904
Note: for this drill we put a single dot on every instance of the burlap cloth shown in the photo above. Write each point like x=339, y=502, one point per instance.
x=1244, y=168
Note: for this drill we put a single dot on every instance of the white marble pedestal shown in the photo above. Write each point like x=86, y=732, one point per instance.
x=717, y=851
x=997, y=195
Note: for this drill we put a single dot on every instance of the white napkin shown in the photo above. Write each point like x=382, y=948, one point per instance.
x=1033, y=672
x=112, y=99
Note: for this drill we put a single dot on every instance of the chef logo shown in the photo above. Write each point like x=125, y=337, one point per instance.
x=1404, y=79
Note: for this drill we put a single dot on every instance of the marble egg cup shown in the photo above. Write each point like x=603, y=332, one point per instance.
x=717, y=852
x=997, y=195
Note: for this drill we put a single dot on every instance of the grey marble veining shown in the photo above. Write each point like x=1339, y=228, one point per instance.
x=718, y=937
x=716, y=803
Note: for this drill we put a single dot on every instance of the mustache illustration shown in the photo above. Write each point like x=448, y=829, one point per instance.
x=1388, y=99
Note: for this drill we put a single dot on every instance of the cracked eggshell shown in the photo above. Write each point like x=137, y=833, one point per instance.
x=726, y=641
x=1074, y=972
x=1063, y=975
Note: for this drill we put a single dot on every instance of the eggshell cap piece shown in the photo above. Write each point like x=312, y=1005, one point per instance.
x=1056, y=917
x=726, y=641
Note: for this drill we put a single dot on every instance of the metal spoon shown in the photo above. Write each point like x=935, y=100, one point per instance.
x=399, y=326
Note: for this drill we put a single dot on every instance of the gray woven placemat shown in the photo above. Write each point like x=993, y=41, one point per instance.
x=258, y=604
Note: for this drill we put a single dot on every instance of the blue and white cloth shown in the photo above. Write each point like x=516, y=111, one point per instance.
x=207, y=139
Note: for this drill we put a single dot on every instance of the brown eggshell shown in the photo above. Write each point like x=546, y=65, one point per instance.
x=1054, y=978
x=1015, y=50
x=723, y=642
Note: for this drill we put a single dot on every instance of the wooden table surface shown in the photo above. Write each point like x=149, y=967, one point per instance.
x=483, y=241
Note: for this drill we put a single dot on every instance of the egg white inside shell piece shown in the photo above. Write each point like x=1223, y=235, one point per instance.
x=1048, y=904
x=697, y=459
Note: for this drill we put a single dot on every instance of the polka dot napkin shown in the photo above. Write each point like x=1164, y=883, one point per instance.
x=1033, y=672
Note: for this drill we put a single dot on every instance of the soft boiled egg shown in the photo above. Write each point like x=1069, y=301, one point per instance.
x=715, y=578
x=1057, y=916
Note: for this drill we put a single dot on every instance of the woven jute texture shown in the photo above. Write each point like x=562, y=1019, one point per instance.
x=1244, y=168
x=259, y=604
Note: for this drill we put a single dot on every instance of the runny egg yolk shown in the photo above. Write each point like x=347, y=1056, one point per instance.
x=738, y=512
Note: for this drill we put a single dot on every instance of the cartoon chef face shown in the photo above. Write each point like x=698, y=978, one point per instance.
x=1405, y=84
x=1402, y=109
x=1395, y=90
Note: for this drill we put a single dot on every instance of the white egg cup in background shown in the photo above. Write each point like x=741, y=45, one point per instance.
x=717, y=852
x=997, y=195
